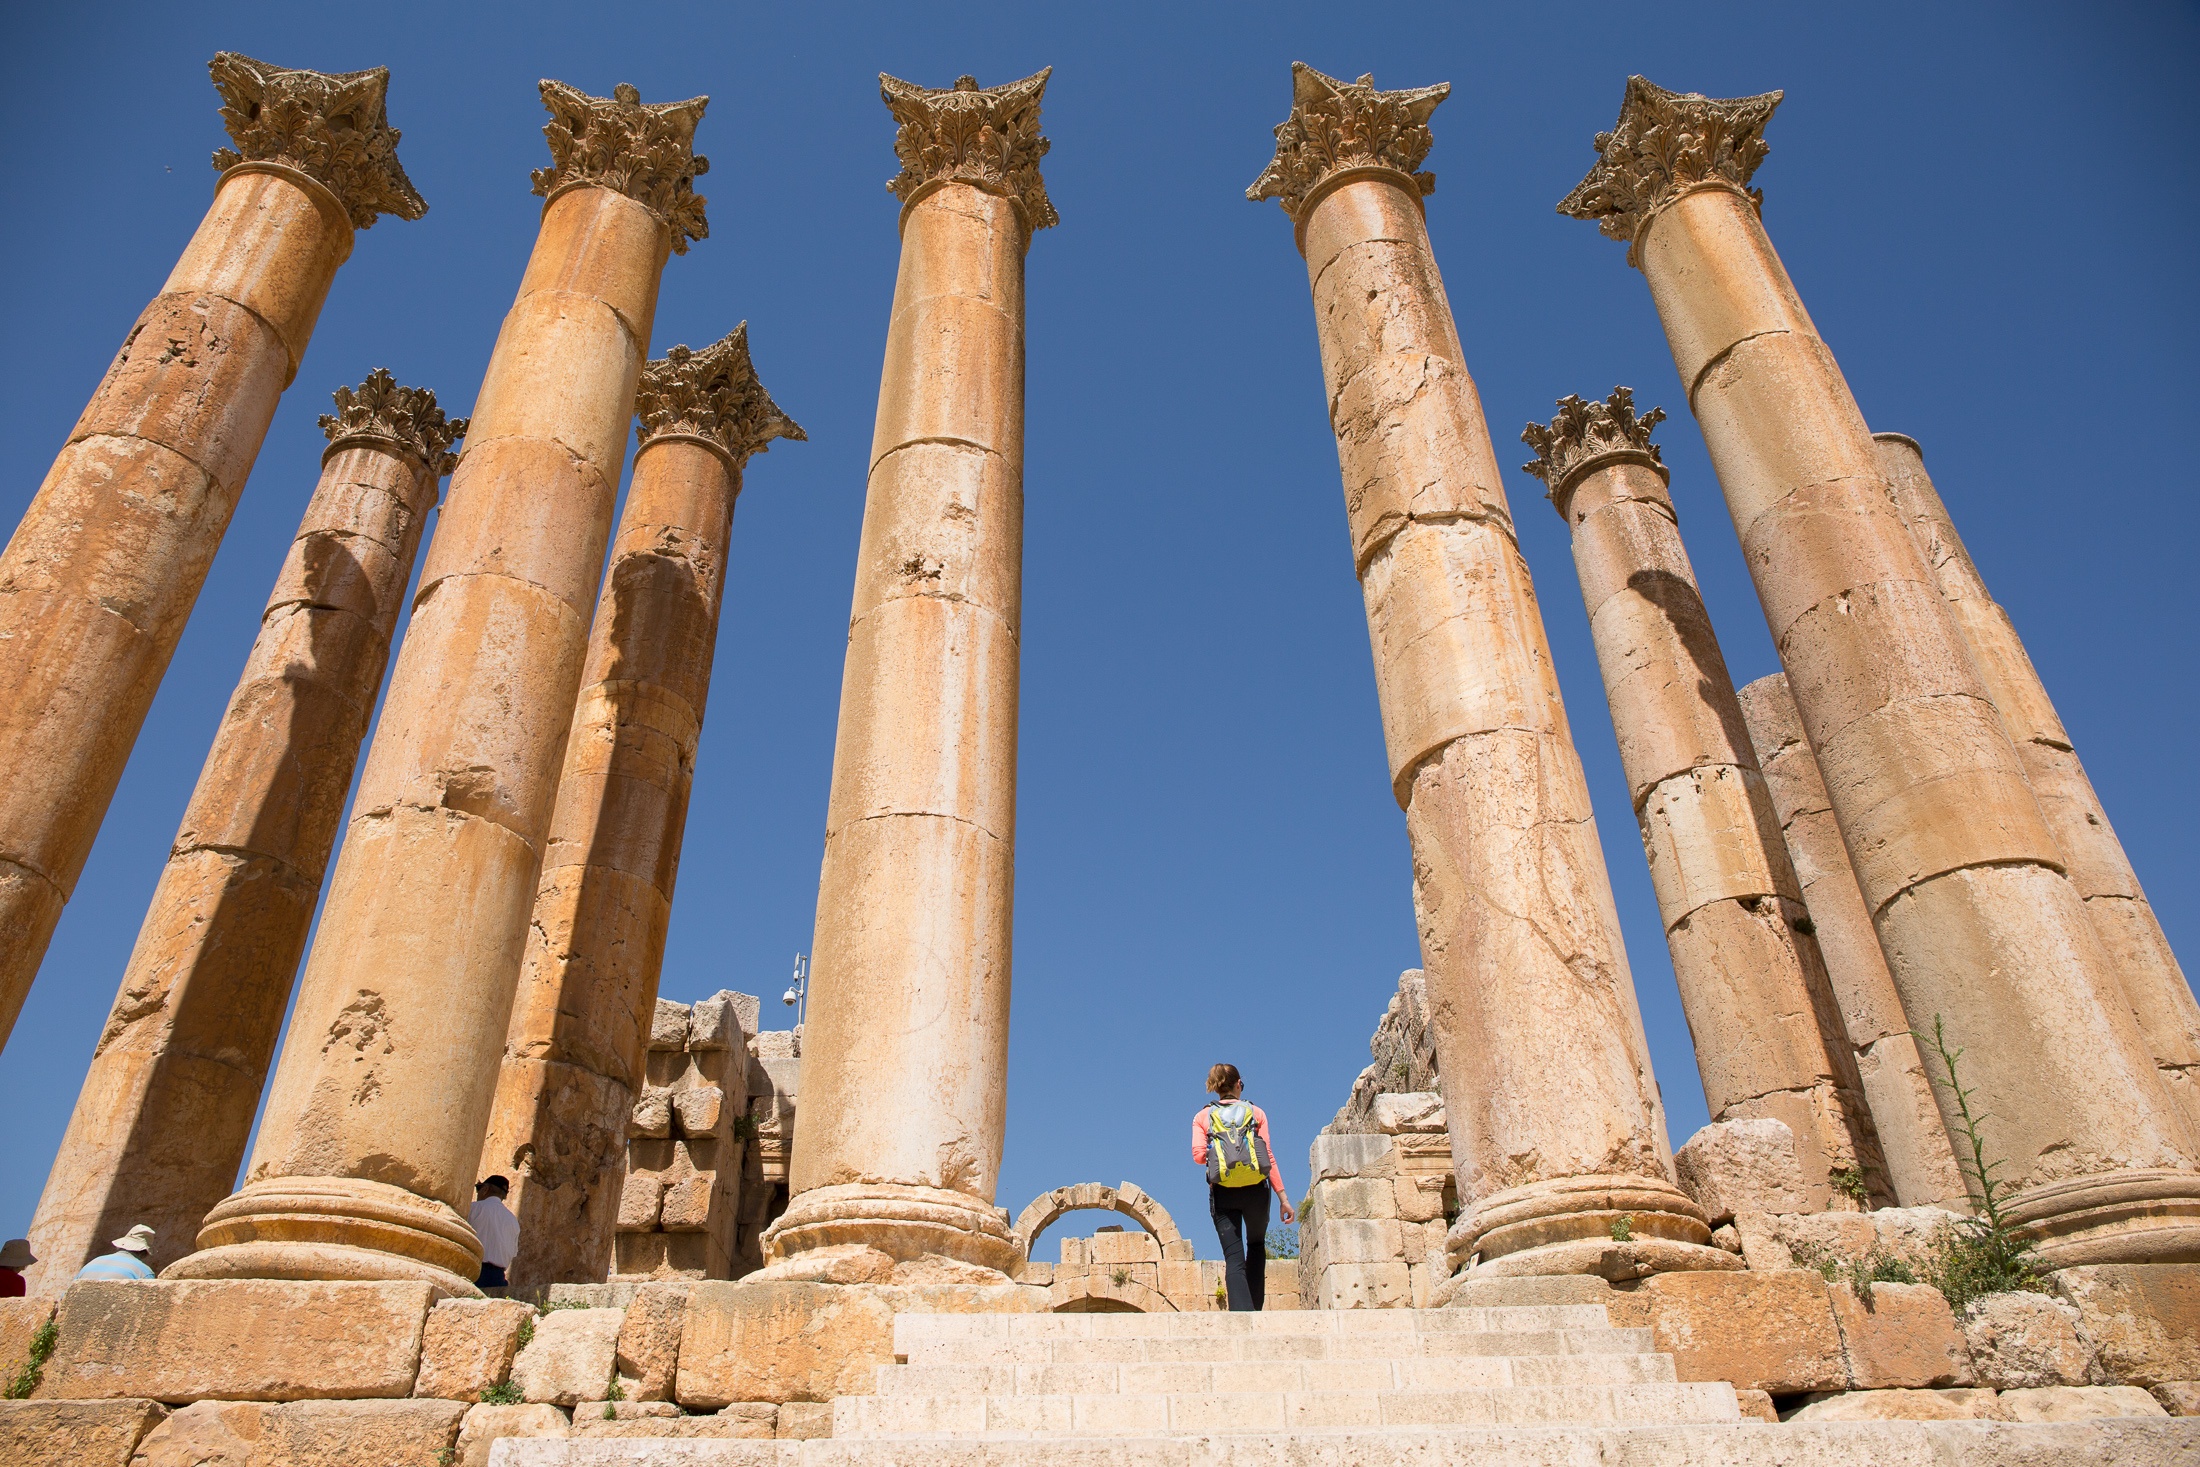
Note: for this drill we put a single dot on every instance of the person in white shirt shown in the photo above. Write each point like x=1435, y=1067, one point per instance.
x=498, y=1230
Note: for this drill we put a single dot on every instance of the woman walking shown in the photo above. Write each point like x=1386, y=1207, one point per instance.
x=1230, y=1139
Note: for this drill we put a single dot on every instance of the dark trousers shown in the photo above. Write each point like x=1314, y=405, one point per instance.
x=1241, y=1222
x=491, y=1276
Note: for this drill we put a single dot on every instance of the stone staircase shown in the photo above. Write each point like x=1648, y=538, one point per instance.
x=1541, y=1386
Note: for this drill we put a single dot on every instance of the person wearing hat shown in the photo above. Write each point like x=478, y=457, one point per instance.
x=14, y=1258
x=128, y=1259
x=498, y=1230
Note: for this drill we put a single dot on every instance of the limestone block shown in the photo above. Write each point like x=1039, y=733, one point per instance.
x=1120, y=1247
x=1899, y=1405
x=571, y=1357
x=240, y=1339
x=1076, y=1252
x=2142, y=1319
x=591, y=1426
x=2077, y=1403
x=1731, y=1167
x=1385, y=1285
x=649, y=1342
x=303, y=1434
x=641, y=1201
x=20, y=1319
x=1180, y=1283
x=652, y=1115
x=1417, y=1200
x=687, y=1203
x=804, y=1420
x=74, y=1433
x=782, y=1342
x=485, y=1425
x=668, y=1026
x=715, y=1023
x=1903, y=1337
x=625, y=1411
x=1910, y=1233
x=1811, y=1238
x=1762, y=1331
x=2178, y=1397
x=1338, y=1158
x=1352, y=1240
x=1366, y=1198
x=1419, y=1111
x=1756, y=1406
x=468, y=1347
x=592, y=1296
x=2019, y=1341
x=1532, y=1289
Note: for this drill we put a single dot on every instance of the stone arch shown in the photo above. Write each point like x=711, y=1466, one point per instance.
x=1098, y=1293
x=1129, y=1199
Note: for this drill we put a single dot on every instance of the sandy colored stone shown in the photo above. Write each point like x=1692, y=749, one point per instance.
x=781, y=1342
x=649, y=1342
x=468, y=1346
x=716, y=1427
x=74, y=1433
x=1903, y=1336
x=804, y=1420
x=243, y=1339
x=2023, y=1340
x=1411, y=1111
x=20, y=1322
x=485, y=1425
x=626, y=1411
x=2178, y=1397
x=1756, y=1406
x=2077, y=1403
x=1901, y=1405
x=2142, y=1320
x=1741, y=1166
x=1762, y=1331
x=571, y=1358
x=303, y=1434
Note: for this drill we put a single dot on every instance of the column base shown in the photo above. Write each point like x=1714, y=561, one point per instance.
x=334, y=1228
x=906, y=1223
x=1572, y=1226
x=2149, y=1215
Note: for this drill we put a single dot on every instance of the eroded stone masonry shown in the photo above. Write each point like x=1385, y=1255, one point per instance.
x=737, y=1244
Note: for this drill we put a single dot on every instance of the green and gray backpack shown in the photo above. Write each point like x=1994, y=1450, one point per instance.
x=1236, y=1154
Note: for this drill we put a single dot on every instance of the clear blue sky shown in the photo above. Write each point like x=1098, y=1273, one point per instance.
x=1990, y=211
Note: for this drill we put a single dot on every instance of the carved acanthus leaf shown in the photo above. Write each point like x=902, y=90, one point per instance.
x=714, y=394
x=987, y=137
x=643, y=150
x=379, y=408
x=1666, y=144
x=1584, y=432
x=332, y=127
x=1335, y=125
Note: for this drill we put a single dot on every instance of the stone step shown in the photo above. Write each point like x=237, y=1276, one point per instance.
x=2120, y=1443
x=1229, y=1413
x=1538, y=1317
x=1429, y=1373
x=919, y=1349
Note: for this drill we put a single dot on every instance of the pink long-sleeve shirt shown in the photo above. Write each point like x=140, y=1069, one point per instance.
x=1260, y=1124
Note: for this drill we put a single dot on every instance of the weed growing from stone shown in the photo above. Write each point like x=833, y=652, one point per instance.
x=1982, y=1254
x=503, y=1393
x=526, y=1332
x=34, y=1364
x=1849, y=1182
x=1623, y=1230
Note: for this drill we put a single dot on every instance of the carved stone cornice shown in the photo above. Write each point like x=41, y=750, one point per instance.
x=1667, y=144
x=381, y=412
x=987, y=137
x=332, y=127
x=643, y=150
x=1339, y=127
x=1585, y=436
x=711, y=395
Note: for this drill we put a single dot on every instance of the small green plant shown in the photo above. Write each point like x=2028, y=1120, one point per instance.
x=1121, y=1276
x=1982, y=1254
x=503, y=1393
x=549, y=1306
x=1879, y=1268
x=526, y=1332
x=1849, y=1182
x=34, y=1364
x=446, y=1456
x=1283, y=1242
x=744, y=1128
x=1623, y=1230
x=614, y=1391
x=610, y=1412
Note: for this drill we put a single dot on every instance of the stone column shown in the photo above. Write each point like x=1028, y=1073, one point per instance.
x=1980, y=927
x=2151, y=981
x=580, y=1031
x=1768, y=1034
x=101, y=574
x=1920, y=1166
x=166, y=1109
x=364, y=1166
x=905, y=1045
x=1557, y=1131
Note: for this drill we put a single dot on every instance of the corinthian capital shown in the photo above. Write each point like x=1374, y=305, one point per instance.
x=987, y=137
x=1336, y=126
x=380, y=411
x=711, y=394
x=332, y=127
x=645, y=151
x=1589, y=435
x=1666, y=144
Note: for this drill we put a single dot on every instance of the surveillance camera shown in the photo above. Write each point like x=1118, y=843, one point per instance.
x=788, y=998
